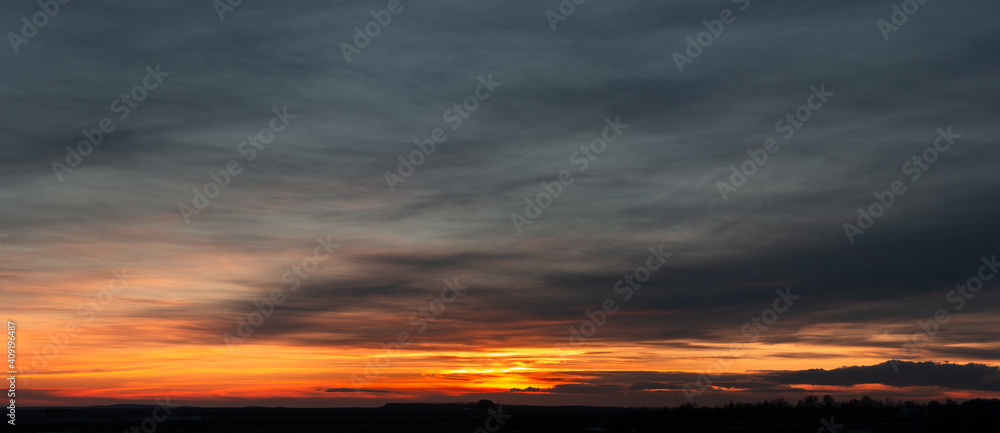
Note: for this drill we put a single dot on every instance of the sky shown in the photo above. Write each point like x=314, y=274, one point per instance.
x=605, y=203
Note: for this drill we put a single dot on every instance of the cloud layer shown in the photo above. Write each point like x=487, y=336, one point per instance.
x=656, y=184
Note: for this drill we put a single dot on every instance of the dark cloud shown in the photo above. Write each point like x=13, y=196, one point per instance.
x=977, y=377
x=352, y=390
x=958, y=376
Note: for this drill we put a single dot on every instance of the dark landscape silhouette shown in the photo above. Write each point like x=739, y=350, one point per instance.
x=812, y=413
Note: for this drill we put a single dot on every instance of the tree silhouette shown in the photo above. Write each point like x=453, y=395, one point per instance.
x=809, y=401
x=484, y=405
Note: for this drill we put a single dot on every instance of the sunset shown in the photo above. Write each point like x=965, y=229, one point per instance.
x=624, y=204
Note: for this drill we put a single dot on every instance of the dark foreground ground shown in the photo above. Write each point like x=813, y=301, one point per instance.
x=971, y=416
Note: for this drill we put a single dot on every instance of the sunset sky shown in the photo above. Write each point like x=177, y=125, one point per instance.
x=128, y=286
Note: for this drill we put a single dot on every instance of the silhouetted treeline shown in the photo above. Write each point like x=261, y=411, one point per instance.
x=825, y=414
x=810, y=414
